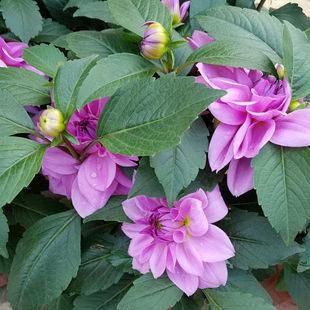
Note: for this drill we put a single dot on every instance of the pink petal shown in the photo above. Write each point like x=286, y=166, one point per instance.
x=143, y=268
x=132, y=209
x=171, y=257
x=137, y=244
x=293, y=129
x=158, y=259
x=214, y=246
x=179, y=235
x=199, y=38
x=221, y=147
x=240, y=176
x=199, y=195
x=132, y=230
x=216, y=208
x=239, y=145
x=188, y=283
x=215, y=274
x=189, y=258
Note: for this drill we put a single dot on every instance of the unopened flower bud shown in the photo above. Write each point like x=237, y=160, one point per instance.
x=155, y=41
x=178, y=13
x=51, y=122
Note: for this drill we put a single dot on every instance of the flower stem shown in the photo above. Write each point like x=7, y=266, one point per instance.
x=35, y=133
x=88, y=147
x=260, y=5
x=70, y=148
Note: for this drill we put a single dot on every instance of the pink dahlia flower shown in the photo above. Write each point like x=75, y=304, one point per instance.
x=92, y=182
x=11, y=55
x=178, y=13
x=253, y=112
x=181, y=240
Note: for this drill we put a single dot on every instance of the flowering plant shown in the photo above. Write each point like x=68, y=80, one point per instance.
x=154, y=154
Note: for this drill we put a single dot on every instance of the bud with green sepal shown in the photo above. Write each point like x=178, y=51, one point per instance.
x=51, y=122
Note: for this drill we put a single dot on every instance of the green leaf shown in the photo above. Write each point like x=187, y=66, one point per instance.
x=281, y=179
x=13, y=117
x=4, y=235
x=47, y=257
x=146, y=116
x=146, y=182
x=244, y=282
x=25, y=86
x=67, y=84
x=51, y=30
x=260, y=30
x=132, y=14
x=22, y=17
x=105, y=43
x=20, y=162
x=151, y=294
x=256, y=243
x=296, y=60
x=292, y=13
x=44, y=58
x=235, y=300
x=106, y=300
x=95, y=273
x=176, y=167
x=186, y=304
x=77, y=3
x=96, y=9
x=63, y=302
x=101, y=83
x=112, y=211
x=206, y=179
x=304, y=260
x=234, y=53
x=29, y=208
x=298, y=285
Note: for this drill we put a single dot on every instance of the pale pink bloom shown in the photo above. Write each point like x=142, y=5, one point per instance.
x=92, y=182
x=181, y=240
x=253, y=112
x=178, y=13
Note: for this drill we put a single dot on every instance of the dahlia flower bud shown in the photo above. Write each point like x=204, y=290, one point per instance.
x=178, y=13
x=51, y=122
x=155, y=41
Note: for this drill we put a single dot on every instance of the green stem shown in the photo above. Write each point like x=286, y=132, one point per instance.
x=70, y=148
x=260, y=5
x=183, y=67
x=35, y=133
x=88, y=147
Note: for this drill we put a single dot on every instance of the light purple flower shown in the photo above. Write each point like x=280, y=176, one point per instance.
x=178, y=13
x=252, y=113
x=11, y=55
x=181, y=240
x=92, y=182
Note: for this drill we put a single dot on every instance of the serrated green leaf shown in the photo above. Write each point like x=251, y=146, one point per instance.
x=244, y=282
x=146, y=182
x=13, y=117
x=206, y=180
x=112, y=211
x=132, y=14
x=281, y=179
x=261, y=31
x=101, y=83
x=67, y=84
x=235, y=300
x=186, y=304
x=25, y=86
x=292, y=13
x=304, y=260
x=22, y=17
x=77, y=3
x=256, y=243
x=234, y=53
x=20, y=162
x=29, y=208
x=63, y=302
x=95, y=273
x=176, y=167
x=298, y=285
x=151, y=294
x=95, y=9
x=105, y=43
x=44, y=58
x=146, y=116
x=4, y=235
x=47, y=257
x=296, y=60
x=106, y=300
x=51, y=30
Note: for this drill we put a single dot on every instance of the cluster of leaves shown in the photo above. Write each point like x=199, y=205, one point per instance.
x=90, y=50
